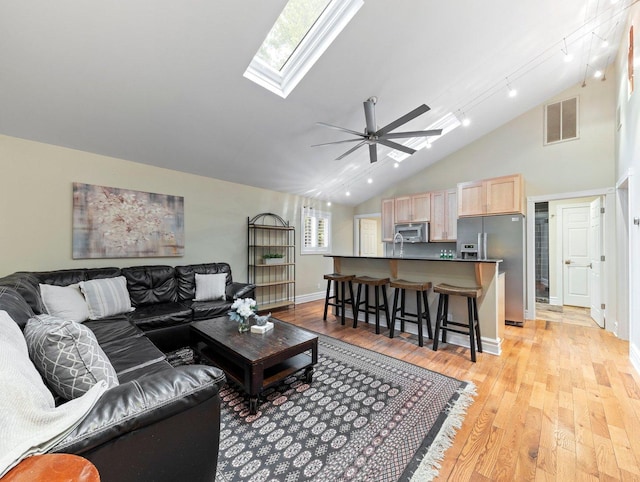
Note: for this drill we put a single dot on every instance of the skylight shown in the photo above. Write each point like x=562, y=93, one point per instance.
x=446, y=123
x=292, y=26
x=300, y=35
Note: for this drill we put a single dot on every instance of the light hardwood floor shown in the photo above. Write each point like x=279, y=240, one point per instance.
x=561, y=403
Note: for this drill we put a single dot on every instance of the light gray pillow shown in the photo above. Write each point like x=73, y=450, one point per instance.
x=67, y=302
x=210, y=287
x=67, y=355
x=106, y=297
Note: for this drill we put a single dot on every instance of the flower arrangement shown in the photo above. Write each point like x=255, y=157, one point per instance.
x=242, y=310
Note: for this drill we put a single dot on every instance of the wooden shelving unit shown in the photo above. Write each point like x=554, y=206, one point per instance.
x=268, y=233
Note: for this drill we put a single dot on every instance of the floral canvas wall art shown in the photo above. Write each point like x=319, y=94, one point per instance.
x=119, y=223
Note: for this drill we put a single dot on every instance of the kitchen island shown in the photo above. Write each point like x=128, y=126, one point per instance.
x=456, y=271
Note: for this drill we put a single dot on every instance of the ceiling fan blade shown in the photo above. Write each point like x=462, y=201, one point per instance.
x=370, y=115
x=336, y=142
x=401, y=135
x=373, y=153
x=404, y=119
x=396, y=146
x=351, y=150
x=324, y=124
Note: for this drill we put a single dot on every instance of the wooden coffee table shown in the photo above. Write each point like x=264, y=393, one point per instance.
x=256, y=361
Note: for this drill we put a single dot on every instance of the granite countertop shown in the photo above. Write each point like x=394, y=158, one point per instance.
x=415, y=258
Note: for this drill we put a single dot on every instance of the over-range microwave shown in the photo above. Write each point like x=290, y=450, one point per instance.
x=412, y=232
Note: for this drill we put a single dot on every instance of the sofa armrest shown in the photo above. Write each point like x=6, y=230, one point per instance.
x=240, y=290
x=141, y=403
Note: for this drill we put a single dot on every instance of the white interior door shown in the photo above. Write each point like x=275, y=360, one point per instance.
x=576, y=255
x=595, y=248
x=368, y=237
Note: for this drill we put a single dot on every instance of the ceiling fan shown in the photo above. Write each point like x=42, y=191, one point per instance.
x=373, y=136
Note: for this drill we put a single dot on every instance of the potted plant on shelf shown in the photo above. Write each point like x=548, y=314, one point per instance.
x=273, y=258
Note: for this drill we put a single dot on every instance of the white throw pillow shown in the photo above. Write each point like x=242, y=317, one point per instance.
x=210, y=287
x=106, y=297
x=66, y=302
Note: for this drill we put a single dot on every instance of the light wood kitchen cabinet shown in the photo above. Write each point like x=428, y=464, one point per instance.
x=499, y=195
x=444, y=216
x=413, y=209
x=388, y=219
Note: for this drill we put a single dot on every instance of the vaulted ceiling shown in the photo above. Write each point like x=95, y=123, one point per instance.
x=161, y=82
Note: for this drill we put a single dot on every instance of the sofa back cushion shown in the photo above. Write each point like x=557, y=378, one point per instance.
x=186, y=277
x=13, y=303
x=27, y=285
x=151, y=284
x=66, y=277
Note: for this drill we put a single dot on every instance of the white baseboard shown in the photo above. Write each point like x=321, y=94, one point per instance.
x=634, y=357
x=491, y=346
x=318, y=295
x=555, y=301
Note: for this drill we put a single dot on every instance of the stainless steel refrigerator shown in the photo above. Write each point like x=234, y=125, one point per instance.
x=505, y=239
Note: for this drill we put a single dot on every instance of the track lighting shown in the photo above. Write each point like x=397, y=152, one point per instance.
x=567, y=56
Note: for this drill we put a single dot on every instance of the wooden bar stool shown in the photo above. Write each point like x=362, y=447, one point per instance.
x=472, y=327
x=421, y=288
x=339, y=294
x=377, y=284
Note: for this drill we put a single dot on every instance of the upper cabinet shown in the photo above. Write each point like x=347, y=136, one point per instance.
x=500, y=195
x=388, y=219
x=444, y=216
x=413, y=209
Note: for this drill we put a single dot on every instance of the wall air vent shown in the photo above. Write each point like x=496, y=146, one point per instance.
x=561, y=121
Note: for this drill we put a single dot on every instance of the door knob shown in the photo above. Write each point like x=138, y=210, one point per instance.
x=567, y=261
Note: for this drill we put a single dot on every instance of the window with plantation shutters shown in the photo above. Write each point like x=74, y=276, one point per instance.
x=561, y=121
x=316, y=232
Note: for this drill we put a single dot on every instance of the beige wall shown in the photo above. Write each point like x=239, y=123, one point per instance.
x=517, y=147
x=36, y=219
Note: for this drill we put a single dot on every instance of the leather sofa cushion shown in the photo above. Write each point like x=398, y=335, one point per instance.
x=186, y=277
x=203, y=310
x=66, y=277
x=28, y=286
x=132, y=354
x=15, y=305
x=151, y=284
x=145, y=371
x=160, y=315
x=112, y=330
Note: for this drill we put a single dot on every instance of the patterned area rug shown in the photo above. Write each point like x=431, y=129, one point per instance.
x=365, y=417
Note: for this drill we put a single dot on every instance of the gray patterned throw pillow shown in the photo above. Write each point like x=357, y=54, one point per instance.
x=67, y=355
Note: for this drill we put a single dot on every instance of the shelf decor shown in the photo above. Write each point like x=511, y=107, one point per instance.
x=271, y=260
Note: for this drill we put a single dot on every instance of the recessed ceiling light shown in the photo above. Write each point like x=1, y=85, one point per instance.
x=369, y=181
x=466, y=121
x=348, y=193
x=328, y=203
x=513, y=92
x=568, y=57
x=428, y=146
x=597, y=74
x=396, y=164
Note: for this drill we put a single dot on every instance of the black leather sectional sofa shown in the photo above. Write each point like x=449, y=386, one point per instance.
x=161, y=422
